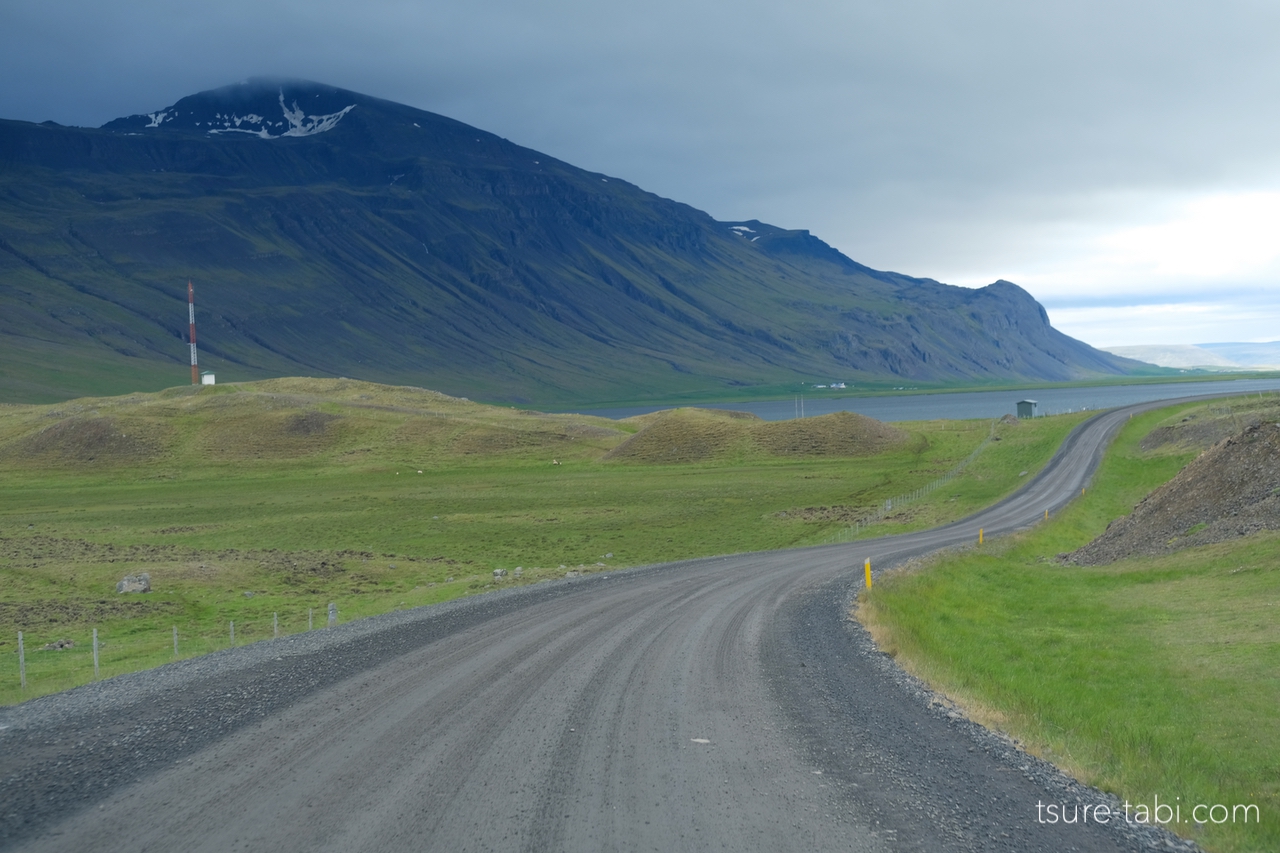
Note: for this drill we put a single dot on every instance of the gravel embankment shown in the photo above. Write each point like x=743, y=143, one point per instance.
x=1230, y=491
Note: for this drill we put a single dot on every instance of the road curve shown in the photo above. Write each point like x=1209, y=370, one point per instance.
x=715, y=704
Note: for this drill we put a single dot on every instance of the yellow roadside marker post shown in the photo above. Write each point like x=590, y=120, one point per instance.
x=867, y=567
x=979, y=535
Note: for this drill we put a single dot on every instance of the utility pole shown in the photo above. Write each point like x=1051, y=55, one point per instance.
x=191, y=316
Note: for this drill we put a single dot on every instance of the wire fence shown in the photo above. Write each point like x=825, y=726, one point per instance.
x=50, y=661
x=852, y=531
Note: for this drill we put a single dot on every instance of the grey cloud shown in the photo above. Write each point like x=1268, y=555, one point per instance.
x=917, y=135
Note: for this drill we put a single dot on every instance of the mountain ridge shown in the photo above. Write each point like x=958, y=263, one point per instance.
x=337, y=234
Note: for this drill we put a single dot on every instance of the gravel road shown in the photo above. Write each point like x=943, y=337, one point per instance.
x=716, y=704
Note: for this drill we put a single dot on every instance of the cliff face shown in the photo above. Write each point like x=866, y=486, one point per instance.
x=330, y=233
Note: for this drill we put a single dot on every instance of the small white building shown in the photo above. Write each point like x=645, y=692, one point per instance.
x=206, y=378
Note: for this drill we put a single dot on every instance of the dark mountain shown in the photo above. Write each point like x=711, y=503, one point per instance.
x=331, y=233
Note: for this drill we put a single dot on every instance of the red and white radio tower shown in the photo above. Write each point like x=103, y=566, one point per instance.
x=191, y=314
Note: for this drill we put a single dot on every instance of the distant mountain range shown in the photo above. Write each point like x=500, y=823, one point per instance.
x=331, y=233
x=1220, y=356
x=1248, y=354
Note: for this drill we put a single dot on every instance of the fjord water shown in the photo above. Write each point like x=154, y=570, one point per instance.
x=961, y=405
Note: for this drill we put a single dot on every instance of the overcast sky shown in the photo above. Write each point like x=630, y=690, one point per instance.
x=1120, y=160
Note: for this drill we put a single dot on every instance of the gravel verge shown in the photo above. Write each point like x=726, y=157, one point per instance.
x=64, y=752
x=882, y=730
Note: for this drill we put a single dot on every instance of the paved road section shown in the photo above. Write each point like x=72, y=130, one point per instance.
x=717, y=704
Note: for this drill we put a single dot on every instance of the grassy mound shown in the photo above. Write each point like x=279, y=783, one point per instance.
x=82, y=439
x=697, y=435
x=282, y=420
x=1204, y=426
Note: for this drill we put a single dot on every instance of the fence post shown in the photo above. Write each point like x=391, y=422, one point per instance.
x=22, y=663
x=233, y=632
x=95, y=654
x=333, y=614
x=175, y=641
x=311, y=612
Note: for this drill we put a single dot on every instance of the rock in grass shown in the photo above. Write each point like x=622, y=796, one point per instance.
x=135, y=583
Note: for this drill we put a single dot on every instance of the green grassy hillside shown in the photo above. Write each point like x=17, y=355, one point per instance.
x=304, y=492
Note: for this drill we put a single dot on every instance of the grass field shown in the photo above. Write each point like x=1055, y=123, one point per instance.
x=1147, y=677
x=306, y=492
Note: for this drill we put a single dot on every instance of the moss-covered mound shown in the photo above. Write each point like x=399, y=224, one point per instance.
x=695, y=435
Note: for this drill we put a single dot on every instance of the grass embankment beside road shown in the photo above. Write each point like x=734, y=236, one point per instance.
x=306, y=492
x=1153, y=676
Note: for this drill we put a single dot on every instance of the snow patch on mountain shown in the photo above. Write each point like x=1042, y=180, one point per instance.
x=305, y=125
x=158, y=119
x=296, y=119
x=261, y=132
